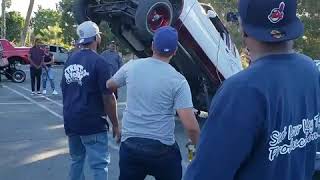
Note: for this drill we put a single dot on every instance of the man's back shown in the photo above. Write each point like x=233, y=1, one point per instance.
x=113, y=58
x=273, y=129
x=154, y=91
x=289, y=132
x=83, y=84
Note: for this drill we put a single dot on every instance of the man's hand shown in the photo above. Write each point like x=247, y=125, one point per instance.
x=116, y=133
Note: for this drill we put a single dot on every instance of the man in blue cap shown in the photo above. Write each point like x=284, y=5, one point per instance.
x=85, y=101
x=155, y=92
x=263, y=121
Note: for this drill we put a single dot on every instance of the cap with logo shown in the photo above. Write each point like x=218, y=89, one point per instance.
x=87, y=32
x=270, y=20
x=165, y=40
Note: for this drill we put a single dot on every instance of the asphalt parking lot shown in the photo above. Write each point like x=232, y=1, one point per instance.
x=33, y=145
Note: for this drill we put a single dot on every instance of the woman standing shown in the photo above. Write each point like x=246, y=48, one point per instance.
x=48, y=60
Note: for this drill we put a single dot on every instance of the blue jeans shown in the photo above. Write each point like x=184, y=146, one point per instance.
x=47, y=74
x=95, y=147
x=140, y=157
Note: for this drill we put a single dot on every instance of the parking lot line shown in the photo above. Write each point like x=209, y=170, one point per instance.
x=55, y=102
x=34, y=102
x=19, y=103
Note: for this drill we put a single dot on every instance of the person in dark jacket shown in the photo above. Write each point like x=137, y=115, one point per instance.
x=36, y=55
x=113, y=58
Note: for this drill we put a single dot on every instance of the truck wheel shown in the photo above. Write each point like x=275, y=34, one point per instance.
x=82, y=12
x=153, y=14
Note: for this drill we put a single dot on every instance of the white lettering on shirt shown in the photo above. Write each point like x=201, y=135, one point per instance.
x=75, y=73
x=308, y=127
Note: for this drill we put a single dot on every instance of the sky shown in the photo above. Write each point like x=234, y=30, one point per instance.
x=22, y=5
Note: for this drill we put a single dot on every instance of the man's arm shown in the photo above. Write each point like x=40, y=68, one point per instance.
x=51, y=60
x=109, y=101
x=30, y=59
x=184, y=107
x=112, y=85
x=190, y=123
x=110, y=106
x=229, y=135
x=119, y=79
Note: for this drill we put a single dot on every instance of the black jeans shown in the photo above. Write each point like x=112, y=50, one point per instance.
x=35, y=75
x=140, y=157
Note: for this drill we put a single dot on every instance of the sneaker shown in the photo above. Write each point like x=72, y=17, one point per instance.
x=33, y=93
x=55, y=92
x=38, y=92
x=44, y=92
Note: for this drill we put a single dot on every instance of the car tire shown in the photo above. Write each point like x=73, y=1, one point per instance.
x=18, y=76
x=151, y=15
x=82, y=12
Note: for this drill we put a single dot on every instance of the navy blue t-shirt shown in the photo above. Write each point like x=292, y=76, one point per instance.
x=83, y=85
x=262, y=123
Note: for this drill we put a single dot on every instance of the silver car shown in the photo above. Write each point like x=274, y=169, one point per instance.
x=60, y=54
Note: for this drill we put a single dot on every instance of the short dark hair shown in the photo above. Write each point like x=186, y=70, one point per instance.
x=88, y=44
x=270, y=44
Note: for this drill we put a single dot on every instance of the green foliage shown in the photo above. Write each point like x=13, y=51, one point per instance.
x=43, y=19
x=310, y=15
x=67, y=23
x=52, y=35
x=14, y=24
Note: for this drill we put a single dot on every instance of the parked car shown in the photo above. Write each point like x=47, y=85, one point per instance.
x=15, y=56
x=206, y=55
x=60, y=54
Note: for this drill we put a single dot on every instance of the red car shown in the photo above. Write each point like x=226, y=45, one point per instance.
x=15, y=55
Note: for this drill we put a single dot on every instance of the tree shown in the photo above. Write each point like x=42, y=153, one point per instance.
x=43, y=19
x=67, y=23
x=309, y=13
x=14, y=23
x=52, y=35
x=27, y=22
x=4, y=4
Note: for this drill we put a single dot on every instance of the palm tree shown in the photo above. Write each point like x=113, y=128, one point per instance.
x=3, y=16
x=27, y=23
x=4, y=5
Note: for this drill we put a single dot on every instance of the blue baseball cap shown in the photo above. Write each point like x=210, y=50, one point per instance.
x=87, y=32
x=165, y=40
x=270, y=20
